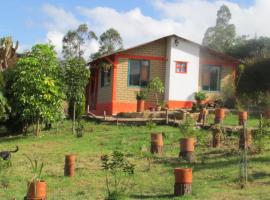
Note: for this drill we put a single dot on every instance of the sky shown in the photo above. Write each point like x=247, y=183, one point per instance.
x=39, y=21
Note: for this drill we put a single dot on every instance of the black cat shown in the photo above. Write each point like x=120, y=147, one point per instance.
x=6, y=155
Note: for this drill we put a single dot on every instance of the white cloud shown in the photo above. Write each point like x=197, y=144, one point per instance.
x=197, y=15
x=189, y=19
x=133, y=26
x=59, y=19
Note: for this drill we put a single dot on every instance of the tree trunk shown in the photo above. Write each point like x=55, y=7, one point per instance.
x=74, y=117
x=37, y=128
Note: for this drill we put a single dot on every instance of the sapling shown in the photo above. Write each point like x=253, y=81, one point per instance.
x=118, y=173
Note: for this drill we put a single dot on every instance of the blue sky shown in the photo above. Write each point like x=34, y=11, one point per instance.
x=35, y=21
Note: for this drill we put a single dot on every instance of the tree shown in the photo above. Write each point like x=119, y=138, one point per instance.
x=74, y=41
x=37, y=90
x=251, y=50
x=109, y=41
x=7, y=52
x=157, y=87
x=221, y=37
x=76, y=77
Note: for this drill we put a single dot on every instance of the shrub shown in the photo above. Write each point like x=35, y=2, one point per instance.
x=120, y=171
x=200, y=96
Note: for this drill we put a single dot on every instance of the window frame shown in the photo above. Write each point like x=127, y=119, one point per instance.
x=219, y=67
x=102, y=78
x=176, y=67
x=129, y=66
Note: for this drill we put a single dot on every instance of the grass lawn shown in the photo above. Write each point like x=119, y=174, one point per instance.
x=232, y=119
x=215, y=171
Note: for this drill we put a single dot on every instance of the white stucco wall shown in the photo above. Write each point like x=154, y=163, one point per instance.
x=181, y=87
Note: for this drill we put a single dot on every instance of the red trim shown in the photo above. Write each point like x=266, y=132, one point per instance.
x=101, y=107
x=177, y=67
x=179, y=104
x=114, y=82
x=161, y=58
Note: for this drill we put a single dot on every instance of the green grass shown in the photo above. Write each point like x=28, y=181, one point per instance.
x=215, y=171
x=232, y=120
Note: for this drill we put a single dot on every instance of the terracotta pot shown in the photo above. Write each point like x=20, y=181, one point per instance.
x=202, y=115
x=158, y=108
x=219, y=115
x=152, y=109
x=267, y=114
x=157, y=139
x=187, y=144
x=140, y=106
x=242, y=116
x=199, y=102
x=37, y=190
x=183, y=175
x=70, y=165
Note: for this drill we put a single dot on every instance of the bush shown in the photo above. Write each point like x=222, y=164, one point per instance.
x=200, y=96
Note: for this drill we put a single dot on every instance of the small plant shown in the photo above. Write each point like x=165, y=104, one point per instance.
x=266, y=100
x=157, y=87
x=33, y=190
x=187, y=127
x=141, y=95
x=200, y=96
x=36, y=168
x=151, y=125
x=262, y=135
x=120, y=170
x=79, y=129
x=242, y=102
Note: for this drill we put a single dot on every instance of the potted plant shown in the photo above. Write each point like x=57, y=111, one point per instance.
x=141, y=96
x=200, y=97
x=157, y=87
x=187, y=143
x=36, y=186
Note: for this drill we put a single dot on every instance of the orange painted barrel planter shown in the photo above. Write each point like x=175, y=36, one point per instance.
x=219, y=115
x=242, y=116
x=37, y=190
x=70, y=165
x=183, y=181
x=187, y=144
x=183, y=175
x=140, y=105
x=156, y=143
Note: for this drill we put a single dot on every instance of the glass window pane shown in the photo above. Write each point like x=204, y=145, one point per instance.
x=134, y=72
x=210, y=78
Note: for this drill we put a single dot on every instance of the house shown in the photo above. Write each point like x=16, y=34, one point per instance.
x=184, y=66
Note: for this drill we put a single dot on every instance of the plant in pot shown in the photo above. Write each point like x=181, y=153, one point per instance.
x=36, y=186
x=141, y=96
x=187, y=143
x=157, y=87
x=200, y=97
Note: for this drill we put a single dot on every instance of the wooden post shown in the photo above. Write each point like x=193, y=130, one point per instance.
x=167, y=117
x=156, y=143
x=104, y=113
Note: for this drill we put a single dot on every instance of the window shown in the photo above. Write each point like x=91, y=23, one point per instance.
x=138, y=72
x=105, y=78
x=181, y=67
x=210, y=78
